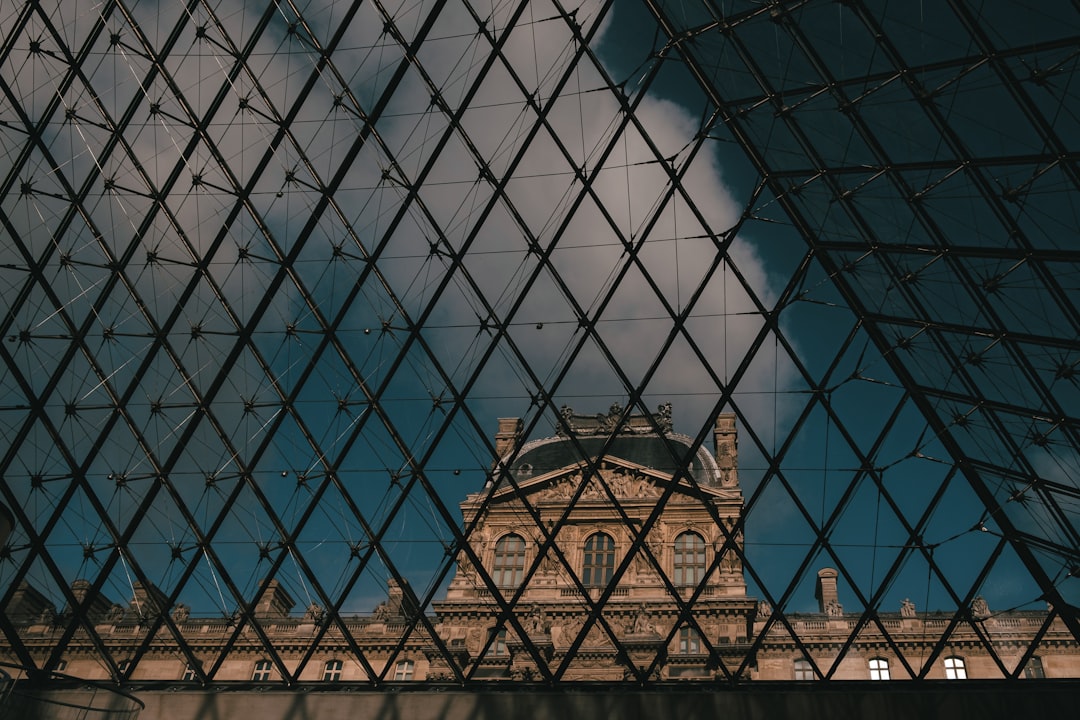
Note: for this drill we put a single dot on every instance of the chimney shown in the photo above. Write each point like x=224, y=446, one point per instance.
x=275, y=602
x=399, y=602
x=827, y=597
x=98, y=606
x=27, y=604
x=148, y=602
x=508, y=435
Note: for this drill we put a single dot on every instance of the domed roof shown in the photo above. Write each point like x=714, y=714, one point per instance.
x=650, y=450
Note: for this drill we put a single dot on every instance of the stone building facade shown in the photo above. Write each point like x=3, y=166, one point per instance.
x=678, y=609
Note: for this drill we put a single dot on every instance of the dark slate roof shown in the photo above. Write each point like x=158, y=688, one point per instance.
x=539, y=457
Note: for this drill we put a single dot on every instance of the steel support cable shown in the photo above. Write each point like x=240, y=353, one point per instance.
x=108, y=564
x=766, y=175
x=232, y=589
x=1026, y=104
x=823, y=531
x=991, y=198
x=1028, y=560
x=234, y=592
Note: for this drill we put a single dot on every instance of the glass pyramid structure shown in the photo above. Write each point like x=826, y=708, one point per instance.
x=271, y=271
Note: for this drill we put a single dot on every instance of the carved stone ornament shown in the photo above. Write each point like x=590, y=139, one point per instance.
x=979, y=608
x=642, y=622
x=609, y=422
x=181, y=613
x=535, y=623
x=622, y=484
x=907, y=608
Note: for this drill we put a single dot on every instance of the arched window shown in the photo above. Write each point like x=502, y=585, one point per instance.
x=599, y=560
x=332, y=671
x=955, y=668
x=509, y=561
x=689, y=559
x=262, y=670
x=404, y=670
x=879, y=669
x=689, y=641
x=804, y=670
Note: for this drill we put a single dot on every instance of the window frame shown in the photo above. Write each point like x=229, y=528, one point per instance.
x=803, y=669
x=508, y=561
x=879, y=668
x=332, y=670
x=404, y=670
x=189, y=673
x=955, y=668
x=689, y=562
x=598, y=563
x=1034, y=669
x=689, y=641
x=262, y=670
x=498, y=648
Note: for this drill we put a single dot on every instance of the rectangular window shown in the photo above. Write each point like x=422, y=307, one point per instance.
x=689, y=559
x=955, y=668
x=689, y=641
x=509, y=566
x=879, y=669
x=332, y=671
x=262, y=670
x=599, y=563
x=403, y=670
x=498, y=645
x=804, y=670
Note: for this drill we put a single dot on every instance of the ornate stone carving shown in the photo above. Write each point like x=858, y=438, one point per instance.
x=464, y=566
x=979, y=608
x=730, y=562
x=548, y=565
x=642, y=622
x=907, y=608
x=116, y=613
x=536, y=622
x=642, y=567
x=607, y=423
x=179, y=614
x=646, y=489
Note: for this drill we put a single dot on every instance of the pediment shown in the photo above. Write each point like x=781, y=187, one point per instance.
x=625, y=479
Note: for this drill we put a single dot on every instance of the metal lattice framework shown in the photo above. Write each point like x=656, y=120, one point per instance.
x=271, y=273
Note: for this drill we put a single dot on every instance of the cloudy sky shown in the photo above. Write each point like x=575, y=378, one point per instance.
x=294, y=208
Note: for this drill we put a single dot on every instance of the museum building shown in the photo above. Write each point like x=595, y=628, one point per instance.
x=604, y=556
